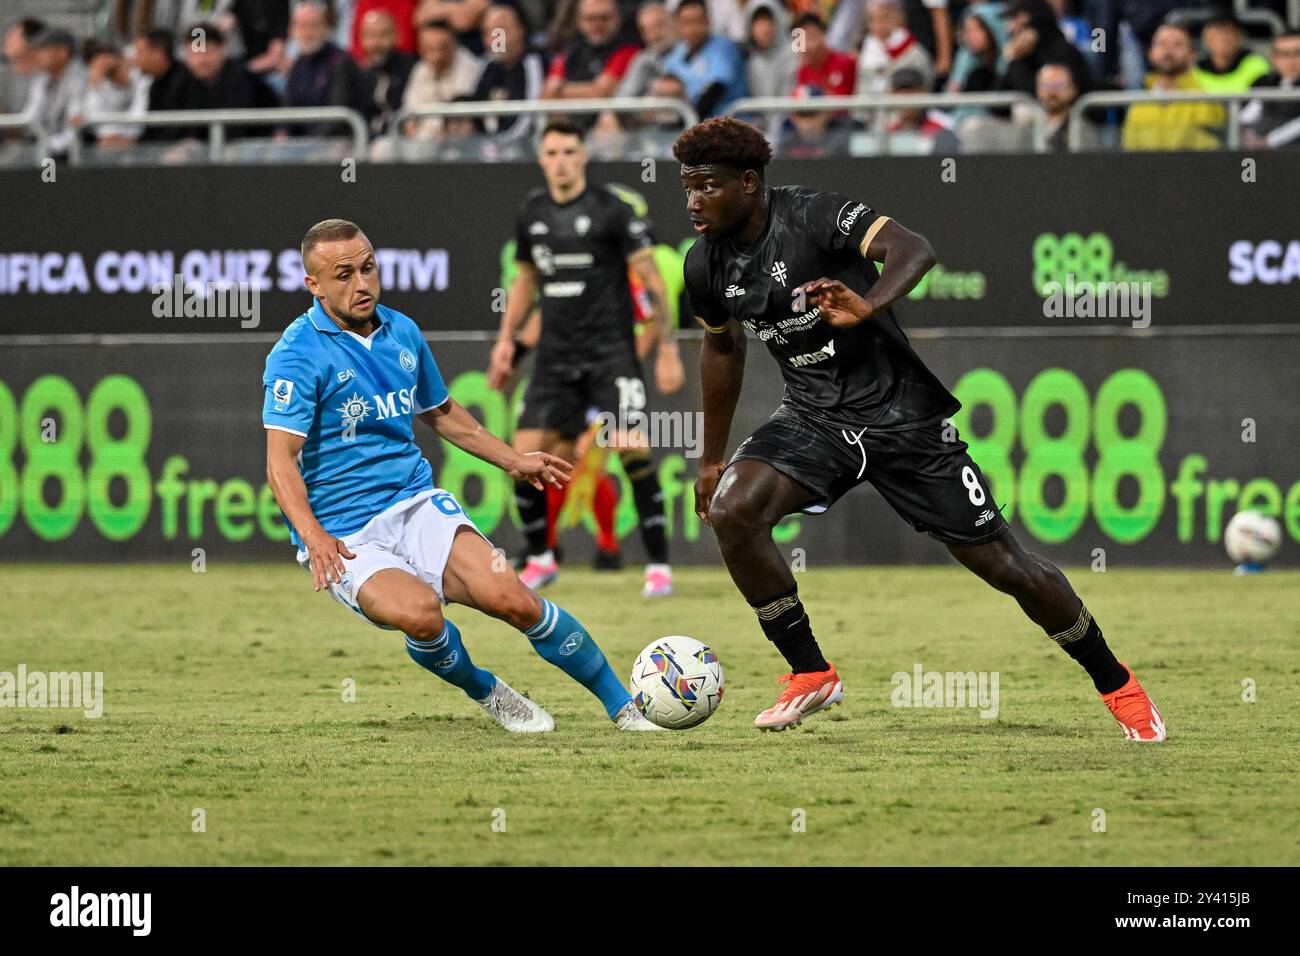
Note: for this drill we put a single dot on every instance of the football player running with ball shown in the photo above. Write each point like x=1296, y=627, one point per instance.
x=796, y=267
x=344, y=385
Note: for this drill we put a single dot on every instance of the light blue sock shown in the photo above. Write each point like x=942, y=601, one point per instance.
x=447, y=657
x=561, y=640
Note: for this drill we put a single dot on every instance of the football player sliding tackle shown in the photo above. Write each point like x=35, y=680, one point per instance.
x=342, y=386
x=796, y=267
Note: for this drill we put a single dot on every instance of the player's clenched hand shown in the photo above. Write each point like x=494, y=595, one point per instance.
x=538, y=467
x=705, y=485
x=840, y=305
x=669, y=374
x=327, y=553
x=501, y=364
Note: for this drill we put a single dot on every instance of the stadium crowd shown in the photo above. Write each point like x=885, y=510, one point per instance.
x=379, y=57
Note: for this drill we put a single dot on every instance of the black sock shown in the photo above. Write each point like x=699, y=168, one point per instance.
x=649, y=500
x=786, y=625
x=1085, y=644
x=532, y=515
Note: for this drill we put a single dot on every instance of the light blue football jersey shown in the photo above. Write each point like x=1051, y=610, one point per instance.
x=353, y=400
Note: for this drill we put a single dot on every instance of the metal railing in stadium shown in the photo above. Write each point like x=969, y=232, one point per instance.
x=879, y=105
x=24, y=122
x=615, y=104
x=1077, y=132
x=216, y=122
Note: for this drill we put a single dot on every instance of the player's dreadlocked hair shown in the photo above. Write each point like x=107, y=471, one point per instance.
x=723, y=141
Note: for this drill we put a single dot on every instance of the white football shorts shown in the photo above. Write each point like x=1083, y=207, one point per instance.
x=414, y=535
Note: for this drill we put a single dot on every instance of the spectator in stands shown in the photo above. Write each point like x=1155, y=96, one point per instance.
x=465, y=17
x=311, y=78
x=404, y=17
x=172, y=86
x=1227, y=67
x=814, y=134
x=264, y=27
x=513, y=71
x=21, y=72
x=918, y=131
x=224, y=83
x=111, y=88
x=595, y=62
x=1156, y=125
x=709, y=65
x=770, y=65
x=889, y=47
x=1035, y=39
x=1056, y=94
x=726, y=17
x=832, y=71
x=928, y=20
x=977, y=67
x=374, y=86
x=654, y=24
x=56, y=97
x=446, y=70
x=1276, y=124
x=666, y=86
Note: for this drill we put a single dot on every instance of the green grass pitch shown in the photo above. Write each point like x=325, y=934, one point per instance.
x=224, y=693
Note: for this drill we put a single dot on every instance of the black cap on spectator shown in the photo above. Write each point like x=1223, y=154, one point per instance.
x=1223, y=17
x=53, y=37
x=30, y=26
x=907, y=78
x=809, y=19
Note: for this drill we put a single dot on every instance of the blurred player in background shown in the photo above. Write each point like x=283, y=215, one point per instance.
x=593, y=489
x=343, y=385
x=574, y=246
x=794, y=267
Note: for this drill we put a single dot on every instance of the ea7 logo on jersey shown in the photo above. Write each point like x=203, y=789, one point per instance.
x=733, y=291
x=282, y=392
x=827, y=351
x=847, y=219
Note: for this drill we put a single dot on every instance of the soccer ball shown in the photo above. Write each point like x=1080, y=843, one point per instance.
x=1252, y=538
x=677, y=682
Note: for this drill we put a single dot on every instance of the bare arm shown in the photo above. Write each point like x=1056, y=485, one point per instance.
x=518, y=305
x=669, y=374
x=905, y=258
x=942, y=40
x=722, y=371
x=290, y=492
x=453, y=422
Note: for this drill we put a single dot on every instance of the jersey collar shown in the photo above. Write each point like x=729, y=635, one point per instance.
x=320, y=318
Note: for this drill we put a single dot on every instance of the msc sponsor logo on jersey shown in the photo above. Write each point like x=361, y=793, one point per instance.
x=282, y=392
x=827, y=351
x=847, y=219
x=407, y=360
x=1267, y=262
x=733, y=291
x=354, y=410
x=357, y=408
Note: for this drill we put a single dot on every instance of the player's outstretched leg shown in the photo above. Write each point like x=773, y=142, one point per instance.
x=478, y=577
x=400, y=599
x=751, y=498
x=649, y=497
x=1046, y=596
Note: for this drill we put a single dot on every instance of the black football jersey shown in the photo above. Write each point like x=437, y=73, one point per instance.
x=867, y=376
x=580, y=250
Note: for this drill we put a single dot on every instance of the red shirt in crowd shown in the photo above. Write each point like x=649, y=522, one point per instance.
x=835, y=76
x=403, y=13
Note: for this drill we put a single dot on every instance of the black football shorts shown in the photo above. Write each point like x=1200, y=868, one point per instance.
x=933, y=484
x=567, y=397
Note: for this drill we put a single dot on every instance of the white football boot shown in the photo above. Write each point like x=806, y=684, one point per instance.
x=629, y=718
x=515, y=712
